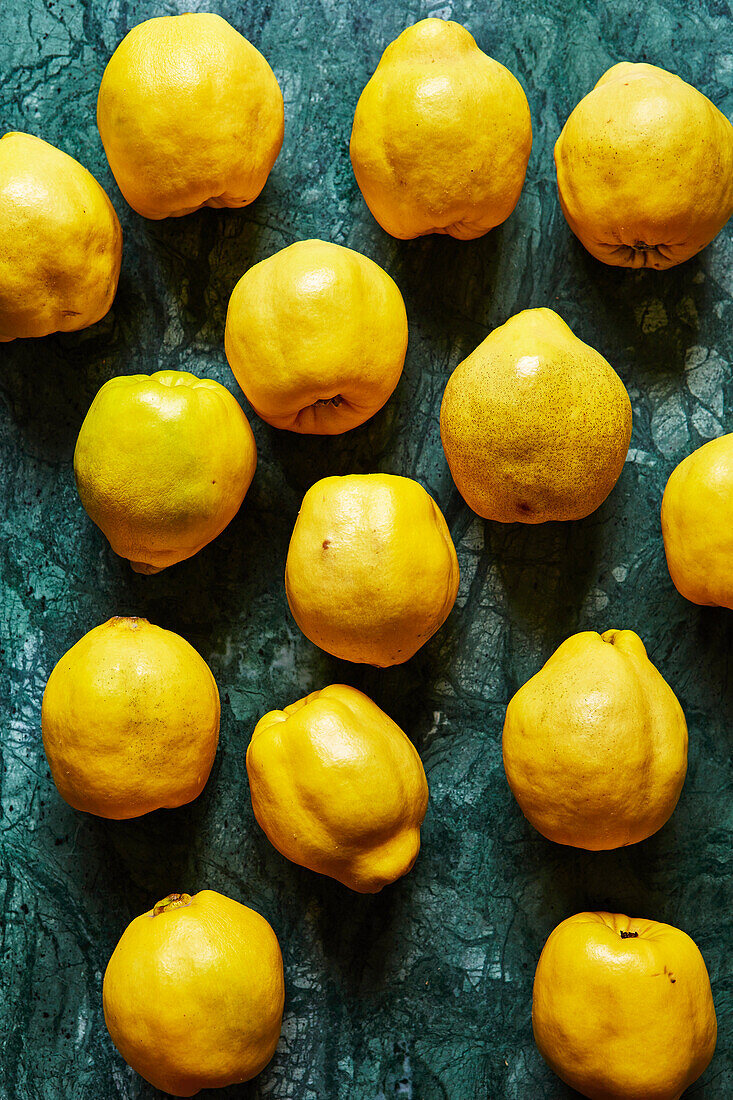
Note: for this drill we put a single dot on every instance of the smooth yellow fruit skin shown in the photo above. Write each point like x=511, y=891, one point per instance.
x=316, y=336
x=61, y=244
x=190, y=115
x=441, y=136
x=622, y=1008
x=645, y=168
x=338, y=787
x=535, y=424
x=130, y=720
x=193, y=994
x=595, y=744
x=162, y=465
x=371, y=571
x=697, y=524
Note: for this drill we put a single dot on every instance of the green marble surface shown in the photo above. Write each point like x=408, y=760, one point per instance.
x=424, y=991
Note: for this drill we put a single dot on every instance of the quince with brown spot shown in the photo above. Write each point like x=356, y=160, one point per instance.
x=622, y=1007
x=371, y=571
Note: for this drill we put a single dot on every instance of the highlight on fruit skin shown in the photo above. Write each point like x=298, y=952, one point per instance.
x=162, y=465
x=441, y=135
x=193, y=994
x=316, y=336
x=535, y=424
x=190, y=114
x=697, y=520
x=622, y=1007
x=130, y=720
x=371, y=572
x=595, y=744
x=61, y=241
x=645, y=168
x=338, y=788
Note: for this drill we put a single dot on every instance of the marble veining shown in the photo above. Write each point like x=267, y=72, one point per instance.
x=423, y=991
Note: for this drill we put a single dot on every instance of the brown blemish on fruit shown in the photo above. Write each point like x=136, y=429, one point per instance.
x=173, y=901
x=326, y=543
x=628, y=935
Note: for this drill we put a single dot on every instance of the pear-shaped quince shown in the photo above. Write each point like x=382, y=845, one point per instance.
x=441, y=136
x=595, y=744
x=535, y=424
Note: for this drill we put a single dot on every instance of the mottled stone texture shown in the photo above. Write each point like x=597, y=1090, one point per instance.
x=423, y=991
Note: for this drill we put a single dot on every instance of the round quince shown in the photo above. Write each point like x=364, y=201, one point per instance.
x=162, y=465
x=130, y=720
x=193, y=993
x=371, y=572
x=190, y=114
x=622, y=1008
x=316, y=336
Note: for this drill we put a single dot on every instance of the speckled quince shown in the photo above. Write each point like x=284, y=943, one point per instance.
x=61, y=242
x=130, y=720
x=441, y=136
x=622, y=1007
x=162, y=465
x=535, y=424
x=371, y=572
x=190, y=114
x=339, y=788
x=193, y=993
x=316, y=336
x=645, y=168
x=697, y=524
x=595, y=744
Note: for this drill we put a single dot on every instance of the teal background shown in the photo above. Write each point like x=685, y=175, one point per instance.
x=424, y=991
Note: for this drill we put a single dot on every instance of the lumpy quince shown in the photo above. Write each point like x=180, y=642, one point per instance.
x=190, y=114
x=339, y=788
